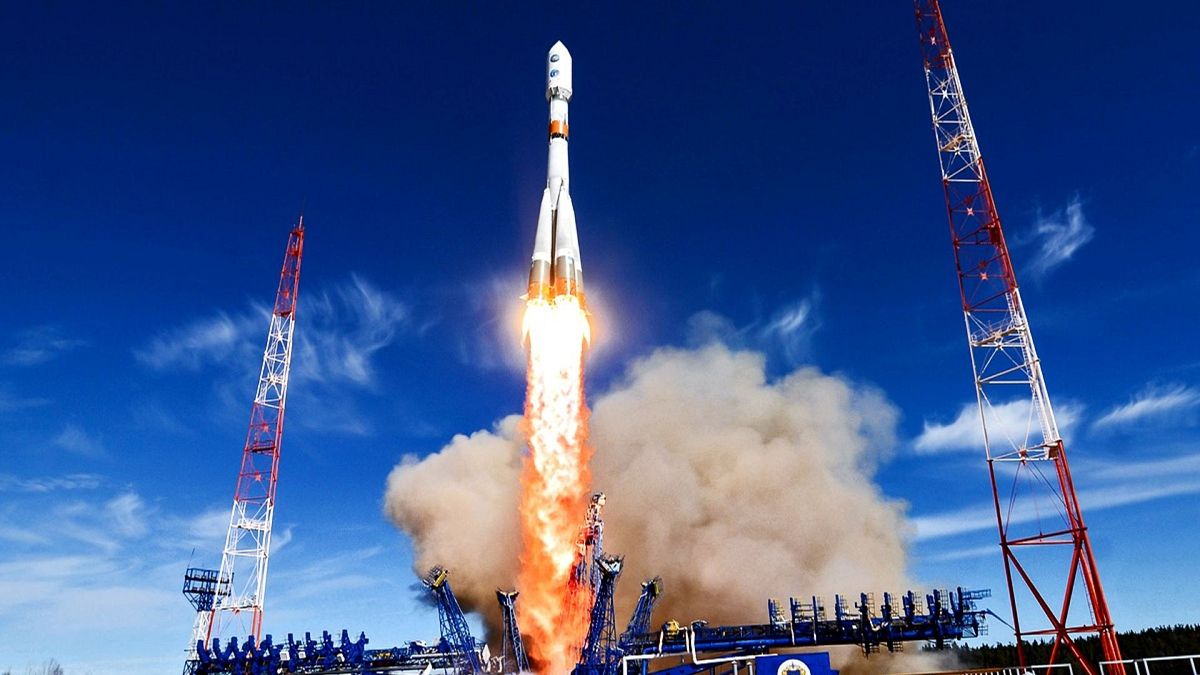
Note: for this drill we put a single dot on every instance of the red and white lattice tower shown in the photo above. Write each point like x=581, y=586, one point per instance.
x=1048, y=558
x=238, y=606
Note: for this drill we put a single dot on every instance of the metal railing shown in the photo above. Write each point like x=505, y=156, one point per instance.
x=1048, y=669
x=1142, y=666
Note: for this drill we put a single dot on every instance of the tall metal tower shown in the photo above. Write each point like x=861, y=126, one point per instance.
x=236, y=609
x=514, y=658
x=584, y=581
x=589, y=548
x=1043, y=538
x=639, y=622
x=456, y=634
x=600, y=646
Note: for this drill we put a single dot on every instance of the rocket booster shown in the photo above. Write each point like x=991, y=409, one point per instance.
x=556, y=268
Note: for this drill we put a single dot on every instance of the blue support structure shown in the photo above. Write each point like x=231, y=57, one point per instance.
x=513, y=657
x=202, y=586
x=940, y=618
x=455, y=631
x=456, y=651
x=600, y=653
x=937, y=619
x=640, y=621
x=950, y=616
x=324, y=656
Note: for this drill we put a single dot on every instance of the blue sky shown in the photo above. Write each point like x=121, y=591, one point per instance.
x=770, y=164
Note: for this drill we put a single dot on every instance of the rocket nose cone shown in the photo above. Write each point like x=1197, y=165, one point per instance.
x=559, y=55
x=558, y=71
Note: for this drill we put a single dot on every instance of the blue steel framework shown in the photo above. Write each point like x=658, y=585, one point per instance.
x=456, y=652
x=455, y=630
x=203, y=586
x=600, y=647
x=945, y=617
x=941, y=618
x=512, y=649
x=639, y=622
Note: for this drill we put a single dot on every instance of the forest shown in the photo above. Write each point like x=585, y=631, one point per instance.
x=1182, y=639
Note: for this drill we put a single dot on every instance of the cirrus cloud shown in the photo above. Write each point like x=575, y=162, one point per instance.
x=1150, y=404
x=1011, y=421
x=1058, y=236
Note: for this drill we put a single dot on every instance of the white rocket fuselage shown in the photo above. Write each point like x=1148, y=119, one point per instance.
x=556, y=268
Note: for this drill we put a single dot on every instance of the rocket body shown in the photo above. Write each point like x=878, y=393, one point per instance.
x=556, y=269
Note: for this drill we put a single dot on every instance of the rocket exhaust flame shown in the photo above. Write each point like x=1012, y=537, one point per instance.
x=554, y=477
x=554, y=481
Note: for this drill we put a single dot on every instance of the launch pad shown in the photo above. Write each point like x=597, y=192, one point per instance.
x=674, y=648
x=1002, y=352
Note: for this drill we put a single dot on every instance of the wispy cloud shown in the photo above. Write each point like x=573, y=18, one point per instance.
x=204, y=530
x=99, y=523
x=327, y=576
x=1113, y=486
x=20, y=535
x=35, y=346
x=1009, y=424
x=345, y=328
x=127, y=513
x=75, y=481
x=1058, y=236
x=786, y=333
x=955, y=521
x=1185, y=465
x=792, y=327
x=1153, y=403
x=340, y=329
x=10, y=401
x=211, y=339
x=91, y=550
x=963, y=553
x=63, y=555
x=75, y=440
x=281, y=539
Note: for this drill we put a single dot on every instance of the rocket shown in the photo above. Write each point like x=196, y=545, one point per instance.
x=556, y=269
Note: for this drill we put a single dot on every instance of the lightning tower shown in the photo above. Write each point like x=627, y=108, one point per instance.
x=1043, y=538
x=236, y=607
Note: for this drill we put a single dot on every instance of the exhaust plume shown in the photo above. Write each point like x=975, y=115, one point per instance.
x=554, y=481
x=732, y=486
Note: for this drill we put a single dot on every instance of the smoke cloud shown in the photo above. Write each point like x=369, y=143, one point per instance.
x=730, y=485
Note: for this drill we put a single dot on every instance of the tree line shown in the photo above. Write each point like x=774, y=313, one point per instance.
x=1177, y=640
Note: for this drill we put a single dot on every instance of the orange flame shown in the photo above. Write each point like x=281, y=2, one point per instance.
x=554, y=480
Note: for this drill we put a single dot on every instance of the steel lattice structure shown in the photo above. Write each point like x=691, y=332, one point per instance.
x=1042, y=533
x=456, y=634
x=639, y=621
x=243, y=574
x=514, y=658
x=600, y=651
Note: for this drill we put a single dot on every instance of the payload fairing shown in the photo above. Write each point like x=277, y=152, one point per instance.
x=556, y=269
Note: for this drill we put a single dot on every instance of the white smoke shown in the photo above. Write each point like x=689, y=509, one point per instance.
x=731, y=486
